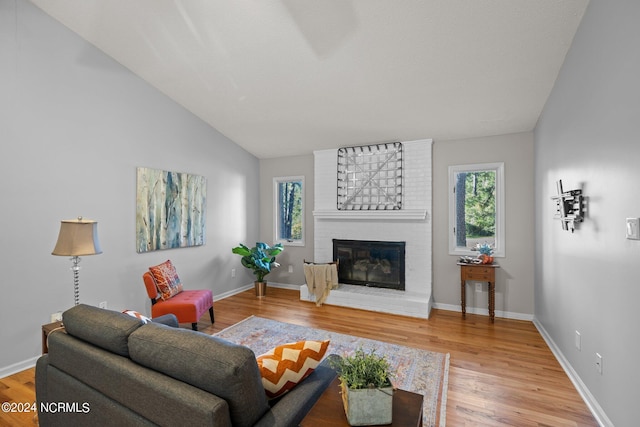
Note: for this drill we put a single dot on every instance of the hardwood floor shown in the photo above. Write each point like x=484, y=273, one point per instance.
x=501, y=374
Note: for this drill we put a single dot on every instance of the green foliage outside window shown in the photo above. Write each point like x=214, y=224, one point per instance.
x=480, y=204
x=475, y=206
x=290, y=210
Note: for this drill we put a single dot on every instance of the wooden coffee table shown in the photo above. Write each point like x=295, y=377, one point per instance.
x=329, y=411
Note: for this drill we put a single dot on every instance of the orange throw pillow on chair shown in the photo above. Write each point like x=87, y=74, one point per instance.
x=167, y=280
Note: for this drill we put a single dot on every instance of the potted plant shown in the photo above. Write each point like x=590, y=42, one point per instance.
x=367, y=393
x=260, y=259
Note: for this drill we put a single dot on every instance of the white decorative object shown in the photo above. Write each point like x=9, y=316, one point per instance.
x=370, y=177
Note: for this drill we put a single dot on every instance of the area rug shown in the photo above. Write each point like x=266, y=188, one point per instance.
x=419, y=371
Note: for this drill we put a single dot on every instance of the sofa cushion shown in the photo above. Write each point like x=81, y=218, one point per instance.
x=106, y=329
x=167, y=280
x=227, y=370
x=286, y=365
x=157, y=397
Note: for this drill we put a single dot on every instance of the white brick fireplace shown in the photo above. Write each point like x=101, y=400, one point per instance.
x=411, y=224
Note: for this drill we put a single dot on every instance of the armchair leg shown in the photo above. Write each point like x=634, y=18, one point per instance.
x=194, y=326
x=211, y=314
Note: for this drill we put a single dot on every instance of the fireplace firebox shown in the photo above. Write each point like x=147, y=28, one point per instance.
x=370, y=263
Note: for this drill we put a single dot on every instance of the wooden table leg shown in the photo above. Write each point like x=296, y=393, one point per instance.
x=463, y=299
x=492, y=301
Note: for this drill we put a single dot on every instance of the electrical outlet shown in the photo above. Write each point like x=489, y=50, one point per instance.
x=290, y=268
x=233, y=272
x=599, y=363
x=578, y=341
x=478, y=287
x=56, y=317
x=103, y=304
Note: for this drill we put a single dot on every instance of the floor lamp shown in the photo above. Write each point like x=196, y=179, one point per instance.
x=77, y=237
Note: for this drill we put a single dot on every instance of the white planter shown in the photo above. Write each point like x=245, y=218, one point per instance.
x=369, y=406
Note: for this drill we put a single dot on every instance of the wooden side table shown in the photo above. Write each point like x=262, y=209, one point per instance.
x=46, y=330
x=478, y=273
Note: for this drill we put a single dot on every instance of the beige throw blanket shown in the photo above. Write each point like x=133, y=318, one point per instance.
x=321, y=278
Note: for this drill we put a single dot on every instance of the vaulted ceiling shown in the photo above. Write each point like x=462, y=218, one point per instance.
x=285, y=77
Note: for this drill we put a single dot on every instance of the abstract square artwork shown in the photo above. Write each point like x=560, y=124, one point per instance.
x=170, y=210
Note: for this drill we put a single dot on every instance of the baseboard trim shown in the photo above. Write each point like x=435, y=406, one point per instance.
x=218, y=297
x=250, y=286
x=17, y=367
x=589, y=399
x=283, y=286
x=484, y=311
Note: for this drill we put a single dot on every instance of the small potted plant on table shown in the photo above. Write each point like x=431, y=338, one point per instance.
x=260, y=259
x=367, y=393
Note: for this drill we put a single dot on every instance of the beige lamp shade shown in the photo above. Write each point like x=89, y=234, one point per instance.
x=77, y=237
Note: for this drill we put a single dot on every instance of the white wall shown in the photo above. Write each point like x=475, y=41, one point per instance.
x=514, y=278
x=74, y=125
x=588, y=137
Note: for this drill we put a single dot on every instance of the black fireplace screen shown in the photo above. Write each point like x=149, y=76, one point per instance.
x=370, y=263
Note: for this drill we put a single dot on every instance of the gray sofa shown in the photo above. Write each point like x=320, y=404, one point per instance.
x=110, y=369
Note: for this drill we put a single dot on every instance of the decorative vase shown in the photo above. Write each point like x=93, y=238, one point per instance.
x=261, y=289
x=368, y=406
x=486, y=259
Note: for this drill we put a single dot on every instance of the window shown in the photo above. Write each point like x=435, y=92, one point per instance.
x=476, y=208
x=289, y=210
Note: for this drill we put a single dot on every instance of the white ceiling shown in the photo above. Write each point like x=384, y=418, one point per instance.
x=285, y=77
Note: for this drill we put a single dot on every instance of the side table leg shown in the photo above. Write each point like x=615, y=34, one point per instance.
x=492, y=300
x=463, y=299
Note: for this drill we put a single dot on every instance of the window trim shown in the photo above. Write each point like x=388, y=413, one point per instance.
x=498, y=168
x=276, y=210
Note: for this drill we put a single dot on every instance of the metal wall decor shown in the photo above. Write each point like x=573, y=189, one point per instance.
x=569, y=207
x=370, y=177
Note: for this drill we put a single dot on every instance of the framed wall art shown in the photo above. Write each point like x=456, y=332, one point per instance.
x=170, y=209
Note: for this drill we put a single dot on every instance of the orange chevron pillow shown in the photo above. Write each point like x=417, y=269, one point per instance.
x=288, y=364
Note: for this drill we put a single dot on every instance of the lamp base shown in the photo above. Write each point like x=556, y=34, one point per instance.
x=76, y=279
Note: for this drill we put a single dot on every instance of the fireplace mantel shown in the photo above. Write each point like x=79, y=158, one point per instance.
x=403, y=214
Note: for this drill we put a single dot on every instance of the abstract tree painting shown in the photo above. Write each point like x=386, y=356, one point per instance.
x=170, y=210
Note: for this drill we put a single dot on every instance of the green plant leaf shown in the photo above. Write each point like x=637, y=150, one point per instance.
x=363, y=370
x=260, y=258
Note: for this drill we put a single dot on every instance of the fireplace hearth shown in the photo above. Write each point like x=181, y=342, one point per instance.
x=377, y=264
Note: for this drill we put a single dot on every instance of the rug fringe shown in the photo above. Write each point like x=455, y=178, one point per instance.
x=443, y=397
